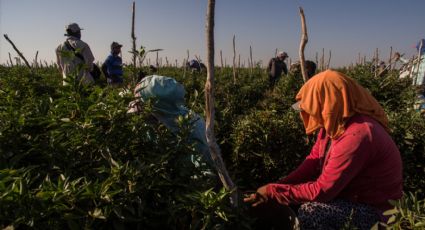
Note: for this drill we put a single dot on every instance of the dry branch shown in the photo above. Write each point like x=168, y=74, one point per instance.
x=19, y=52
x=304, y=40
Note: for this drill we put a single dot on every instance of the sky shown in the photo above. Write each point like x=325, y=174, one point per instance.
x=346, y=29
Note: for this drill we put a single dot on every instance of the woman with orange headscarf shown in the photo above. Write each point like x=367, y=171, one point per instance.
x=354, y=168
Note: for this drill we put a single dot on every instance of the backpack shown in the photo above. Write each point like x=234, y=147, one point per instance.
x=95, y=73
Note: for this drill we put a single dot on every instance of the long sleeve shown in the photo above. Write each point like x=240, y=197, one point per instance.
x=345, y=160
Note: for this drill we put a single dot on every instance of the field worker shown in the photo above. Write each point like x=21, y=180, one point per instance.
x=168, y=96
x=417, y=73
x=74, y=56
x=354, y=168
x=276, y=67
x=112, y=67
x=195, y=65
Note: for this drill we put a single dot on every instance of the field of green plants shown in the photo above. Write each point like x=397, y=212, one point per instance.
x=72, y=158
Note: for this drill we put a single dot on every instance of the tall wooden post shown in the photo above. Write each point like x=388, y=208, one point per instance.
x=234, y=60
x=133, y=37
x=304, y=40
x=209, y=107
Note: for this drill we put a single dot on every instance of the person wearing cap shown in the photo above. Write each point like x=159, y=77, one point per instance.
x=74, y=56
x=112, y=67
x=276, y=67
x=354, y=168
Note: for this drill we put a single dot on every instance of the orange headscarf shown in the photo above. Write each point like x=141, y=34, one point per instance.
x=329, y=98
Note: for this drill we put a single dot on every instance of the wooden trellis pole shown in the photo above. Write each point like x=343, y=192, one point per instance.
x=390, y=59
x=376, y=64
x=10, y=58
x=329, y=59
x=210, y=110
x=221, y=59
x=251, y=64
x=35, y=59
x=234, y=60
x=133, y=38
x=304, y=40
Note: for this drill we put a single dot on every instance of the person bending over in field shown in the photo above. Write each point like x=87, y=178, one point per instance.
x=168, y=104
x=276, y=67
x=354, y=168
x=195, y=66
x=74, y=57
x=112, y=67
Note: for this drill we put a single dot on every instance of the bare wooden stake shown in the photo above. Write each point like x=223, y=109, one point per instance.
x=210, y=110
x=360, y=60
x=251, y=64
x=133, y=37
x=17, y=51
x=376, y=64
x=234, y=60
x=35, y=59
x=10, y=58
x=390, y=59
x=304, y=40
x=322, y=60
x=221, y=59
x=329, y=60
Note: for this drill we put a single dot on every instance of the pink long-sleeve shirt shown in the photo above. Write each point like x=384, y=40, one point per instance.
x=362, y=165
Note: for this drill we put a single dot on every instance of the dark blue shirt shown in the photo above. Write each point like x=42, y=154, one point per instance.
x=114, y=65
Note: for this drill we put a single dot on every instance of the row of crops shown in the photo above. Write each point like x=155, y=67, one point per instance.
x=71, y=157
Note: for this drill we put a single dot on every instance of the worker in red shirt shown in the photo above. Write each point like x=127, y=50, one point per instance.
x=354, y=168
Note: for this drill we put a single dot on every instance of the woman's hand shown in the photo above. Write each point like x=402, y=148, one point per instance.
x=257, y=198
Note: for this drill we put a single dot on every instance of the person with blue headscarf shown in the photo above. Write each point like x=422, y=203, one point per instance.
x=168, y=105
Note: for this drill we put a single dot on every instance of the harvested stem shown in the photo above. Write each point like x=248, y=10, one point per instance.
x=304, y=40
x=19, y=52
x=209, y=108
